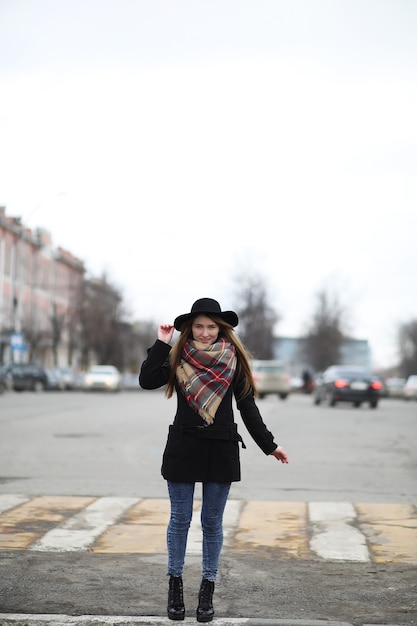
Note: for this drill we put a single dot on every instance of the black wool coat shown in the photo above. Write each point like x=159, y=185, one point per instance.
x=194, y=451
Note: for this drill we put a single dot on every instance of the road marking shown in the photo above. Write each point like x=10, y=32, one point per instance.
x=334, y=531
x=22, y=526
x=10, y=501
x=334, y=538
x=79, y=531
x=391, y=530
x=141, y=529
x=281, y=526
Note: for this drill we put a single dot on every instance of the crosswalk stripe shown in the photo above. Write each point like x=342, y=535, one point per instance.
x=23, y=525
x=79, y=532
x=335, y=538
x=334, y=531
x=10, y=501
x=141, y=529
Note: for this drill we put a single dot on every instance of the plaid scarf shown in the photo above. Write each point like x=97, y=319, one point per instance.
x=205, y=374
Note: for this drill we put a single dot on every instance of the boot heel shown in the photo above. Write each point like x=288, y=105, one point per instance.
x=205, y=611
x=176, y=608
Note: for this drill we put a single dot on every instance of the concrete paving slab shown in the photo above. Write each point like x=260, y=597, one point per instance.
x=21, y=619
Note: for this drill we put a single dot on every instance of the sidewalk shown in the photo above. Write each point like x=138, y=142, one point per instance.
x=255, y=588
x=99, y=620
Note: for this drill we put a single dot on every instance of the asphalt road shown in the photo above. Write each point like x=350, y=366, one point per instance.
x=82, y=443
x=96, y=446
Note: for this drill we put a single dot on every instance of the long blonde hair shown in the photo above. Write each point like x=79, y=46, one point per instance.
x=226, y=331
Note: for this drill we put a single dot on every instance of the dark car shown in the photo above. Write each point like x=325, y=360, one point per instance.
x=344, y=383
x=28, y=376
x=3, y=380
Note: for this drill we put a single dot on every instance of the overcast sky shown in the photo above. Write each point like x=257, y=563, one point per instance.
x=177, y=144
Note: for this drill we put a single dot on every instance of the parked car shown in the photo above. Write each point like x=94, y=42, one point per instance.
x=344, y=383
x=55, y=380
x=3, y=381
x=410, y=388
x=79, y=378
x=131, y=381
x=28, y=376
x=271, y=377
x=103, y=378
x=67, y=377
x=395, y=387
x=383, y=392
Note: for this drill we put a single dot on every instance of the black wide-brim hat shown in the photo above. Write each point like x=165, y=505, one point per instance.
x=206, y=306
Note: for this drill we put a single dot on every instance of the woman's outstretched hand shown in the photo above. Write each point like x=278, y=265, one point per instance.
x=280, y=454
x=165, y=332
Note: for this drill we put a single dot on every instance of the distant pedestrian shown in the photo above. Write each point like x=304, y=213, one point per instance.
x=307, y=381
x=207, y=366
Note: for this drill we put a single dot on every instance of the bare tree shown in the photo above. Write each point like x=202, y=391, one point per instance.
x=38, y=341
x=145, y=332
x=257, y=318
x=407, y=343
x=99, y=327
x=73, y=327
x=101, y=320
x=325, y=332
x=57, y=323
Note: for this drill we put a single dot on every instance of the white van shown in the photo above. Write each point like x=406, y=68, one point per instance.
x=271, y=378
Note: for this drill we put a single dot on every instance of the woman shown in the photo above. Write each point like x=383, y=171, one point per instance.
x=206, y=367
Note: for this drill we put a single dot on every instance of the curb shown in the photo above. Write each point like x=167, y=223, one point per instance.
x=23, y=619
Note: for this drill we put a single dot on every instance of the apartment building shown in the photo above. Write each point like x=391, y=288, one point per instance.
x=40, y=288
x=291, y=350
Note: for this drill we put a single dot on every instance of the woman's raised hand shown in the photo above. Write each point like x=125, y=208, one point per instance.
x=165, y=332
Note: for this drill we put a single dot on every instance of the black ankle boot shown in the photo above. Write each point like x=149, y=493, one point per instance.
x=176, y=608
x=205, y=611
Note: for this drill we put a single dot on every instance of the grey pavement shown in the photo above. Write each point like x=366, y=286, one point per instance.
x=254, y=589
x=96, y=620
x=116, y=620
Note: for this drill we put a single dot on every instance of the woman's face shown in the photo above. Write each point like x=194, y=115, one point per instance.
x=205, y=330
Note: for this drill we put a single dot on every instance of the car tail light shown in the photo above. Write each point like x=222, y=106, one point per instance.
x=376, y=384
x=340, y=383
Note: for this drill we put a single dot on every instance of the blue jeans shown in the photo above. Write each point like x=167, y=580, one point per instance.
x=214, y=500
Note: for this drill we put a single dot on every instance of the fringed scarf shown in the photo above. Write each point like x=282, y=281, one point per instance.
x=205, y=374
